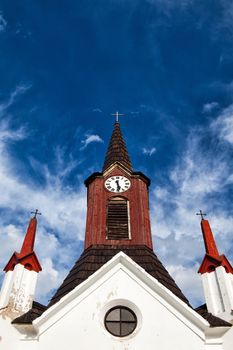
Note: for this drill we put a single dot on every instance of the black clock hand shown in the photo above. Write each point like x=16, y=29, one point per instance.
x=118, y=186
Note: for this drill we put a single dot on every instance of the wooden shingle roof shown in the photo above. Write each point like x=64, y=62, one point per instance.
x=96, y=256
x=214, y=321
x=117, y=151
x=27, y=318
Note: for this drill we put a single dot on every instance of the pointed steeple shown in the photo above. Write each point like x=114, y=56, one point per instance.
x=28, y=243
x=27, y=256
x=212, y=258
x=210, y=245
x=117, y=151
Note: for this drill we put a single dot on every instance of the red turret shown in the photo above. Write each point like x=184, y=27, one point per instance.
x=27, y=256
x=212, y=258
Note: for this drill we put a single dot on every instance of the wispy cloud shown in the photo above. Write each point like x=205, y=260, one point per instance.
x=147, y=108
x=209, y=107
x=223, y=125
x=3, y=23
x=63, y=207
x=149, y=151
x=96, y=110
x=19, y=90
x=90, y=139
x=7, y=134
x=199, y=180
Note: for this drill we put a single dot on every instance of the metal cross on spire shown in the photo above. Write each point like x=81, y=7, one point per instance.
x=117, y=115
x=36, y=212
x=202, y=214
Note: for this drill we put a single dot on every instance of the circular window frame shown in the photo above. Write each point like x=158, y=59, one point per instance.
x=121, y=307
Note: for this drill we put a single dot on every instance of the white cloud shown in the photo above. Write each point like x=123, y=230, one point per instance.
x=49, y=279
x=7, y=134
x=97, y=110
x=62, y=225
x=186, y=277
x=19, y=90
x=223, y=125
x=209, y=107
x=89, y=139
x=149, y=151
x=3, y=23
x=199, y=180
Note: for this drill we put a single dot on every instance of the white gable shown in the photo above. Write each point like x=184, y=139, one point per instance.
x=77, y=320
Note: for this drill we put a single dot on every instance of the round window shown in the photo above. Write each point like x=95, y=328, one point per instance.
x=120, y=321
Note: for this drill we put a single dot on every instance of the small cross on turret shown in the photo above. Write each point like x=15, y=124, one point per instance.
x=36, y=212
x=201, y=214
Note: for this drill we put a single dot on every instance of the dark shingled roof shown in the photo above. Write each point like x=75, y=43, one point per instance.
x=117, y=151
x=96, y=256
x=27, y=318
x=213, y=320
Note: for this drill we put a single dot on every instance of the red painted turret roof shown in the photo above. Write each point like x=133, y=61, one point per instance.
x=209, y=241
x=117, y=151
x=27, y=256
x=28, y=243
x=212, y=259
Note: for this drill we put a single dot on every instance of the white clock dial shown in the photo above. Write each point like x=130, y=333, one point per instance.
x=117, y=184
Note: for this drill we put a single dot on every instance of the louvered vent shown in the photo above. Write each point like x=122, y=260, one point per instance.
x=117, y=219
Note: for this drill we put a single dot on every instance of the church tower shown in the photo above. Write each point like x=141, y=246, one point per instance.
x=117, y=220
x=21, y=273
x=118, y=206
x=217, y=276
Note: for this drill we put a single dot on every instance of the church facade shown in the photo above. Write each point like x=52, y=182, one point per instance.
x=118, y=295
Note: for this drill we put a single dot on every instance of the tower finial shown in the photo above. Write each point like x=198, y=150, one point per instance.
x=117, y=115
x=36, y=212
x=201, y=214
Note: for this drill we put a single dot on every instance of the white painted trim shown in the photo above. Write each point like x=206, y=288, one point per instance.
x=115, y=165
x=121, y=261
x=129, y=226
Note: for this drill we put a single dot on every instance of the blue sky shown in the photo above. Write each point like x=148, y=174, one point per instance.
x=64, y=68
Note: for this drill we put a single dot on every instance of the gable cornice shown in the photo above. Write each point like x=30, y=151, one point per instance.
x=122, y=262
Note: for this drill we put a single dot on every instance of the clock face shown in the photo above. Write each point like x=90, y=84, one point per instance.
x=117, y=184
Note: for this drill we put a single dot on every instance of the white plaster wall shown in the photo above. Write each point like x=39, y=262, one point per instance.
x=9, y=336
x=228, y=340
x=23, y=288
x=82, y=327
x=6, y=288
x=218, y=290
x=18, y=290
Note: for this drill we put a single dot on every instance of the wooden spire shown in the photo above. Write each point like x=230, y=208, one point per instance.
x=117, y=151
